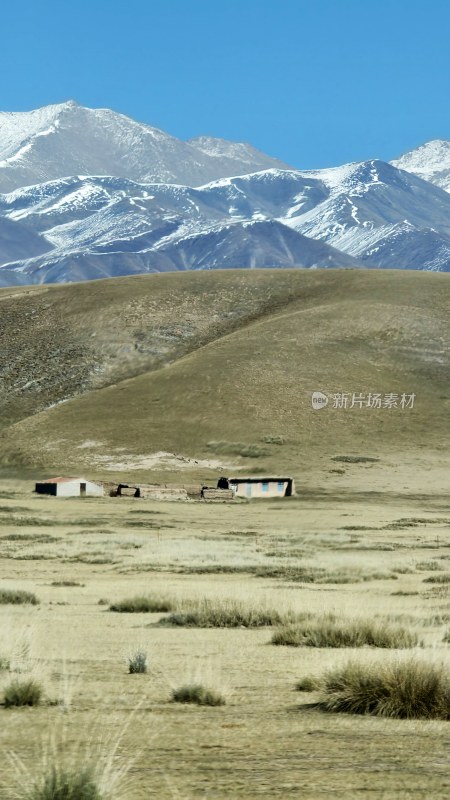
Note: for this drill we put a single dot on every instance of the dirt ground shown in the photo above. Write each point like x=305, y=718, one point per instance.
x=383, y=538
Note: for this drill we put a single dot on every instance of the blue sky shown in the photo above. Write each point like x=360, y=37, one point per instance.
x=314, y=82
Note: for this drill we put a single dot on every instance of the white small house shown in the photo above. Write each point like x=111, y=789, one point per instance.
x=69, y=487
x=256, y=486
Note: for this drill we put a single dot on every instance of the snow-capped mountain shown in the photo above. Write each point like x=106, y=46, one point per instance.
x=108, y=198
x=68, y=139
x=379, y=214
x=431, y=162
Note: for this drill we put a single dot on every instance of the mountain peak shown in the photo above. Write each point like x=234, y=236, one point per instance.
x=430, y=161
x=66, y=139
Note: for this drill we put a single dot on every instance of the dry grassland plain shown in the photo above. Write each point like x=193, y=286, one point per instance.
x=354, y=556
x=182, y=379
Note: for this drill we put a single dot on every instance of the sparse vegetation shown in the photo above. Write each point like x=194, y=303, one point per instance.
x=355, y=459
x=23, y=693
x=279, y=440
x=198, y=694
x=238, y=449
x=207, y=613
x=428, y=566
x=138, y=662
x=65, y=784
x=17, y=597
x=321, y=575
x=445, y=578
x=41, y=538
x=331, y=632
x=143, y=604
x=409, y=689
x=66, y=583
x=308, y=684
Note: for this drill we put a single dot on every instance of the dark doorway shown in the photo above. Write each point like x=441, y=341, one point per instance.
x=82, y=490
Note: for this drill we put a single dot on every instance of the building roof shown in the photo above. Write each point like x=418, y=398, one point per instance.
x=257, y=478
x=65, y=480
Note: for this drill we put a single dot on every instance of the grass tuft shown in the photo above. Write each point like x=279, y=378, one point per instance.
x=22, y=693
x=308, y=684
x=17, y=597
x=406, y=690
x=329, y=632
x=143, y=604
x=198, y=694
x=66, y=583
x=206, y=613
x=63, y=784
x=138, y=663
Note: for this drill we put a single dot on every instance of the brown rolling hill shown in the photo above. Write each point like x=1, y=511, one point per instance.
x=191, y=375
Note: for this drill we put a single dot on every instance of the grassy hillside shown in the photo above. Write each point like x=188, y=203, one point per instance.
x=219, y=368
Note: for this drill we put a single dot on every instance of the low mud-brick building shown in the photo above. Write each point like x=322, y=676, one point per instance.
x=257, y=486
x=69, y=487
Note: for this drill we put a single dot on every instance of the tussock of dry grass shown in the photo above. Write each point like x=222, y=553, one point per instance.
x=41, y=538
x=143, y=604
x=66, y=583
x=137, y=662
x=407, y=690
x=198, y=694
x=217, y=569
x=308, y=684
x=206, y=613
x=62, y=784
x=22, y=693
x=321, y=575
x=17, y=597
x=331, y=632
x=445, y=578
x=428, y=566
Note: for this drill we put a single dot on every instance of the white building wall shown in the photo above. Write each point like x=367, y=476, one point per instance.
x=260, y=489
x=72, y=488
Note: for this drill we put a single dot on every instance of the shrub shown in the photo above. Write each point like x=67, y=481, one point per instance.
x=407, y=690
x=17, y=597
x=65, y=784
x=437, y=578
x=23, y=693
x=143, y=604
x=330, y=632
x=196, y=693
x=137, y=662
x=207, y=613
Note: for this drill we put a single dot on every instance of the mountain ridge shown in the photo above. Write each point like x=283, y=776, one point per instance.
x=117, y=204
